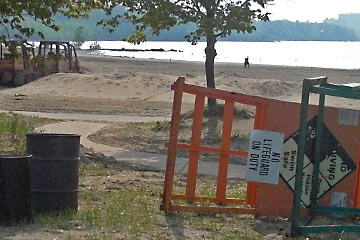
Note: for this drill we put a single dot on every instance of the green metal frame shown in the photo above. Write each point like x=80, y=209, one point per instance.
x=320, y=86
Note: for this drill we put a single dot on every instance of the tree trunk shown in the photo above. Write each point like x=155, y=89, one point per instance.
x=210, y=53
x=210, y=82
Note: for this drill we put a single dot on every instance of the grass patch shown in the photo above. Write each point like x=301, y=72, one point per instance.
x=240, y=136
x=62, y=220
x=239, y=113
x=121, y=203
x=114, y=205
x=129, y=207
x=94, y=169
x=114, y=212
x=13, y=129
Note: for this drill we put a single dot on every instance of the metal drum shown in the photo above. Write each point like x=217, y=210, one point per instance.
x=54, y=171
x=15, y=194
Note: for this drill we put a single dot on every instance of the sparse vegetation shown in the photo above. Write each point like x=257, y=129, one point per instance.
x=152, y=136
x=117, y=201
x=239, y=113
x=13, y=129
x=240, y=136
x=124, y=204
x=160, y=125
x=79, y=37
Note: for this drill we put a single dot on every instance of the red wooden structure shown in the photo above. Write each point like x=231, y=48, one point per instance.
x=195, y=148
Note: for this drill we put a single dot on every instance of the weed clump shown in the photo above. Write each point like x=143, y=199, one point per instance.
x=13, y=130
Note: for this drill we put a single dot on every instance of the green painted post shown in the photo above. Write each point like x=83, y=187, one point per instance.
x=319, y=126
x=295, y=218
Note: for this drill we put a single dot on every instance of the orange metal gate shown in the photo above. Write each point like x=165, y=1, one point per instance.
x=195, y=148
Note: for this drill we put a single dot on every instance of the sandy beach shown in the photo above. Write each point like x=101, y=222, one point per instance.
x=111, y=85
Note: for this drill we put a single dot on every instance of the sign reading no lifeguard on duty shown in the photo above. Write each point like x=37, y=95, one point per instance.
x=264, y=156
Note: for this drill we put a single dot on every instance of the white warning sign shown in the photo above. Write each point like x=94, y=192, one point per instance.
x=264, y=156
x=288, y=167
x=335, y=163
x=333, y=168
x=307, y=183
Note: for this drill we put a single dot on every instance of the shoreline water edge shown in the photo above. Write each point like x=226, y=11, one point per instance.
x=333, y=55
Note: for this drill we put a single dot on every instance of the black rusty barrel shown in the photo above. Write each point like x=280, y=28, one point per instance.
x=54, y=171
x=15, y=194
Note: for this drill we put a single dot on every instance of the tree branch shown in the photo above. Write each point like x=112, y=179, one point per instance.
x=6, y=29
x=219, y=34
x=197, y=7
x=243, y=4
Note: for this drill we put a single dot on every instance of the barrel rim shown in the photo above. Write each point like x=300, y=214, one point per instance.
x=5, y=156
x=53, y=135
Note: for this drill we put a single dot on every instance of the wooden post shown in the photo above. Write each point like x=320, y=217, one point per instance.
x=174, y=132
x=224, y=155
x=195, y=146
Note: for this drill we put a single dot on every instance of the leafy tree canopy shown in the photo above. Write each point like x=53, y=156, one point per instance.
x=79, y=37
x=13, y=14
x=216, y=17
x=281, y=30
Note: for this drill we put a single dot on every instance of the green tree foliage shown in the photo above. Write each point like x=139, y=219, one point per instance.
x=14, y=14
x=78, y=37
x=341, y=29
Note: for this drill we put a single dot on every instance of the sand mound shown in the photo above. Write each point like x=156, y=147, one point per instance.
x=110, y=82
x=270, y=88
x=143, y=86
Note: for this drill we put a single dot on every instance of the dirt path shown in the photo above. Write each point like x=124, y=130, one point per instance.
x=152, y=161
x=91, y=117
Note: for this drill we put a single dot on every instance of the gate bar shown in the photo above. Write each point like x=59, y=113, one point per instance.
x=224, y=155
x=174, y=133
x=195, y=143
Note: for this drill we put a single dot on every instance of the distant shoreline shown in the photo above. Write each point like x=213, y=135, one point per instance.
x=96, y=54
x=329, y=55
x=196, y=68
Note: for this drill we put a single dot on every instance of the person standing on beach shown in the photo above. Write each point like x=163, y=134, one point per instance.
x=246, y=63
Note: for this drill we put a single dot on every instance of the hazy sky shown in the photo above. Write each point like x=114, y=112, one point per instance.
x=311, y=10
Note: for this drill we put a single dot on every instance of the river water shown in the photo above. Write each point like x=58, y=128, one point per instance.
x=341, y=55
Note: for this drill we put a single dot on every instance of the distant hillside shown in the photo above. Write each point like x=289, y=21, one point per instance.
x=342, y=29
x=276, y=31
x=297, y=31
x=351, y=21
